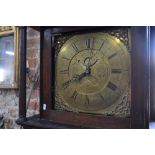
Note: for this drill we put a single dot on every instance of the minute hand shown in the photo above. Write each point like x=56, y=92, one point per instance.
x=93, y=63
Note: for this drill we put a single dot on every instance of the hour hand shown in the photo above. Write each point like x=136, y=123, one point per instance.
x=74, y=79
x=66, y=84
x=81, y=76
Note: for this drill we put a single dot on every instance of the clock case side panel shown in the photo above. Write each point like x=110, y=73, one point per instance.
x=139, y=83
x=152, y=73
x=140, y=77
x=45, y=70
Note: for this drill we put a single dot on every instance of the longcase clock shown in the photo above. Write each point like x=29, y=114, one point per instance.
x=94, y=77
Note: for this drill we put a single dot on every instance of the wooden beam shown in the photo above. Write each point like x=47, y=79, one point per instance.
x=22, y=81
x=140, y=78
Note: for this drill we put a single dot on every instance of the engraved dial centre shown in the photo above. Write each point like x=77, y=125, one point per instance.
x=91, y=70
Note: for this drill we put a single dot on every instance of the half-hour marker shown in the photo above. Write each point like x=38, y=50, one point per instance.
x=101, y=46
x=112, y=86
x=75, y=47
x=74, y=95
x=113, y=55
x=116, y=71
x=64, y=71
x=87, y=99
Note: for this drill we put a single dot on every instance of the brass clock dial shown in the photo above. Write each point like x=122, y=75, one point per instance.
x=92, y=72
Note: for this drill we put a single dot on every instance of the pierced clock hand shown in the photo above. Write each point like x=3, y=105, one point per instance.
x=88, y=66
x=88, y=63
x=94, y=63
x=74, y=79
x=87, y=72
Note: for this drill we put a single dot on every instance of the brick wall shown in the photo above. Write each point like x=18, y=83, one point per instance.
x=9, y=107
x=9, y=99
x=33, y=53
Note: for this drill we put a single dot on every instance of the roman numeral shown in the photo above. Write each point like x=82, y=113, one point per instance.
x=75, y=47
x=89, y=43
x=101, y=46
x=116, y=71
x=74, y=95
x=64, y=71
x=112, y=86
x=113, y=55
x=87, y=100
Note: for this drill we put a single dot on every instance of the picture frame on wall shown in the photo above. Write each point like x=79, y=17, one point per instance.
x=9, y=57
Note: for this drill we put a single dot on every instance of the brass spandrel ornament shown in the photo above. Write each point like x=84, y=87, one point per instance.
x=93, y=74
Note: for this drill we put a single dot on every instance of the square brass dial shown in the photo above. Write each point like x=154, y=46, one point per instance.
x=93, y=74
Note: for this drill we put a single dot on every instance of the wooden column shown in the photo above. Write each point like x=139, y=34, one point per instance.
x=140, y=77
x=152, y=74
x=45, y=71
x=22, y=81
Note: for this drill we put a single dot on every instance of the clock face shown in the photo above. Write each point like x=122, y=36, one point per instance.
x=92, y=72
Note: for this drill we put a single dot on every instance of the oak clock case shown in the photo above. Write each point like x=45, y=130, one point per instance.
x=60, y=107
x=92, y=73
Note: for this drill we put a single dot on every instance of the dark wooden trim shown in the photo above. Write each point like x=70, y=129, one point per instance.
x=22, y=82
x=45, y=70
x=37, y=123
x=53, y=71
x=71, y=29
x=82, y=29
x=41, y=71
x=148, y=91
x=152, y=74
x=140, y=77
x=86, y=120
